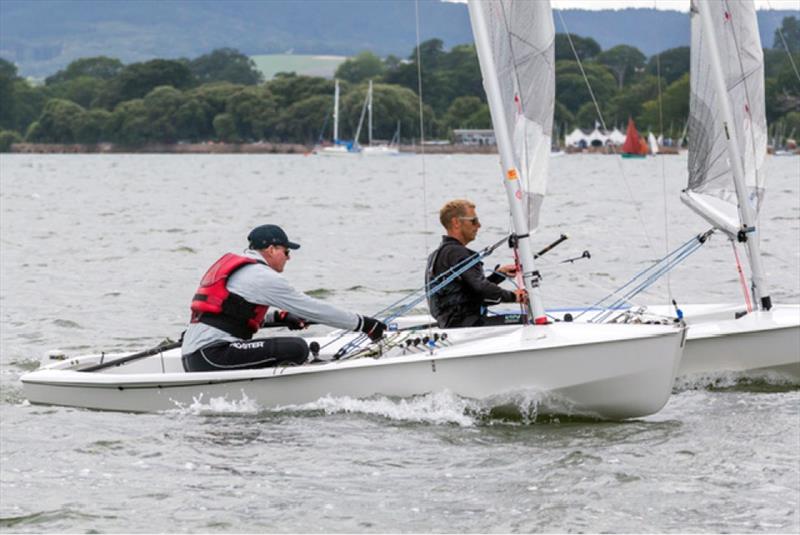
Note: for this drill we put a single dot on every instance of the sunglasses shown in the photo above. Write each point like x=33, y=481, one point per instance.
x=284, y=249
x=474, y=220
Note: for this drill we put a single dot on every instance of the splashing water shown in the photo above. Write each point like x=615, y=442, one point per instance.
x=218, y=406
x=434, y=408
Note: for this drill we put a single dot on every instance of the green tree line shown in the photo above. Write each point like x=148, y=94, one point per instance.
x=221, y=96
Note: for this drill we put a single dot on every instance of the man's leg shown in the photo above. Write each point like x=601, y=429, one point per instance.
x=259, y=353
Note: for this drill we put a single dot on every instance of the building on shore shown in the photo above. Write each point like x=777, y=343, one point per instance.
x=474, y=136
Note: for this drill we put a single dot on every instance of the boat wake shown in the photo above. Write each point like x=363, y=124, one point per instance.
x=218, y=406
x=439, y=408
x=736, y=381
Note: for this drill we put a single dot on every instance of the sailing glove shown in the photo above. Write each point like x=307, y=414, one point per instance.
x=371, y=327
x=293, y=322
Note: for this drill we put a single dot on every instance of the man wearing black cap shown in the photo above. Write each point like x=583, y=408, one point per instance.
x=241, y=292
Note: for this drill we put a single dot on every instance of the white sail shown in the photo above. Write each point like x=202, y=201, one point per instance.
x=653, y=142
x=522, y=39
x=741, y=60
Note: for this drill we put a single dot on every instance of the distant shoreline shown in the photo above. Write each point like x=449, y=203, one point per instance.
x=221, y=148
x=286, y=148
x=160, y=148
x=272, y=148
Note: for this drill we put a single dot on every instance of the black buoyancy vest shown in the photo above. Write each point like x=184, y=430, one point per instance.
x=214, y=305
x=454, y=299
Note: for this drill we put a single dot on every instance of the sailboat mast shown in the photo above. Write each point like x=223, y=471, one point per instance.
x=369, y=111
x=749, y=230
x=336, y=112
x=511, y=177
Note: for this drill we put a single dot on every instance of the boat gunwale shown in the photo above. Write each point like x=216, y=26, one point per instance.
x=142, y=381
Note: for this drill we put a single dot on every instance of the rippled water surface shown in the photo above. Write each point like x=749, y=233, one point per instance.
x=104, y=253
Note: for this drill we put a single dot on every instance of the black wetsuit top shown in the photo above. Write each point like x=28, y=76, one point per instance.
x=462, y=302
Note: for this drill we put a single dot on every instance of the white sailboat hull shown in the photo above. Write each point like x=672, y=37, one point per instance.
x=762, y=344
x=380, y=150
x=759, y=344
x=336, y=150
x=603, y=371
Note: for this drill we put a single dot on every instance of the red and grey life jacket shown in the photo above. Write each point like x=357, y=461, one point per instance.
x=214, y=305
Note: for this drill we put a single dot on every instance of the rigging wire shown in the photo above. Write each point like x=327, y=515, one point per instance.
x=324, y=126
x=786, y=48
x=646, y=278
x=422, y=135
x=603, y=124
x=663, y=172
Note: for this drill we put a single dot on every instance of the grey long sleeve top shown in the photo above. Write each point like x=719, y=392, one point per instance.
x=262, y=285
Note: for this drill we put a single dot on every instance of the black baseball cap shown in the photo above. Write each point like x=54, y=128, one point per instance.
x=266, y=235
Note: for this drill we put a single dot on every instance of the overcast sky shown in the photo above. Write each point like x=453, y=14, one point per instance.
x=674, y=5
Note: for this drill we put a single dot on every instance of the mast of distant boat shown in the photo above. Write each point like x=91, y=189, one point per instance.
x=336, y=113
x=511, y=180
x=369, y=111
x=749, y=232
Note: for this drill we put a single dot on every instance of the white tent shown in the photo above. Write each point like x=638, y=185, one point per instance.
x=616, y=137
x=597, y=138
x=576, y=138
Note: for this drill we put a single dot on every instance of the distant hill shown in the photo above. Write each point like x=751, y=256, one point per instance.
x=650, y=30
x=43, y=36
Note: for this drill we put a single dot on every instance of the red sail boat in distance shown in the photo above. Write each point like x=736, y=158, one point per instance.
x=635, y=146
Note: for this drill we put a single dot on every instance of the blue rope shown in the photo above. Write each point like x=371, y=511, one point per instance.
x=643, y=285
x=404, y=305
x=646, y=283
x=648, y=277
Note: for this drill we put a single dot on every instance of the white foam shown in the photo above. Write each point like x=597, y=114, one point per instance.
x=436, y=408
x=522, y=407
x=219, y=405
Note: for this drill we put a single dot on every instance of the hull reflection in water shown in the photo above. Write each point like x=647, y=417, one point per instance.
x=598, y=371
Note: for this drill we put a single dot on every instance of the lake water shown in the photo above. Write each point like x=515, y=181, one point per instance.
x=103, y=252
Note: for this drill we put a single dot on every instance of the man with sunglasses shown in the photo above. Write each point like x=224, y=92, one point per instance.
x=240, y=293
x=463, y=302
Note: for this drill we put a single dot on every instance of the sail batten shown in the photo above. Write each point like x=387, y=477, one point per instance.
x=741, y=60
